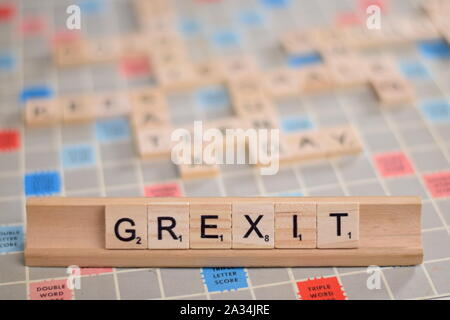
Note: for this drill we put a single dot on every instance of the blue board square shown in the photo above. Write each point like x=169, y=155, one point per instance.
x=42, y=183
x=7, y=61
x=11, y=239
x=296, y=123
x=251, y=18
x=189, y=28
x=226, y=39
x=78, y=156
x=275, y=4
x=301, y=60
x=414, y=70
x=212, y=97
x=112, y=129
x=437, y=111
x=91, y=6
x=434, y=49
x=35, y=92
x=221, y=279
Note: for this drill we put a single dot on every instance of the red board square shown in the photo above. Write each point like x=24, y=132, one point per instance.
x=321, y=289
x=32, y=25
x=382, y=4
x=134, y=66
x=438, y=184
x=50, y=290
x=163, y=190
x=6, y=12
x=393, y=164
x=9, y=140
x=348, y=19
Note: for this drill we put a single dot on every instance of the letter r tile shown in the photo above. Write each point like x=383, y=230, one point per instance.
x=210, y=225
x=168, y=225
x=253, y=225
x=337, y=225
x=126, y=227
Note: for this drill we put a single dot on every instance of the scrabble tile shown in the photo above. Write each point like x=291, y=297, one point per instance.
x=238, y=66
x=246, y=86
x=295, y=225
x=342, y=140
x=282, y=82
x=42, y=112
x=315, y=79
x=110, y=104
x=67, y=54
x=176, y=76
x=76, y=108
x=328, y=36
x=306, y=146
x=154, y=142
x=393, y=90
x=147, y=98
x=208, y=73
x=297, y=42
x=168, y=225
x=380, y=68
x=134, y=44
x=337, y=51
x=262, y=121
x=337, y=225
x=142, y=118
x=253, y=105
x=197, y=171
x=126, y=226
x=103, y=49
x=210, y=226
x=347, y=72
x=253, y=225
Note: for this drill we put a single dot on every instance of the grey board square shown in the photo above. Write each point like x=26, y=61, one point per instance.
x=119, y=151
x=405, y=116
x=261, y=276
x=11, y=186
x=444, y=132
x=40, y=137
x=355, y=287
x=138, y=285
x=429, y=160
x=232, y=295
x=42, y=160
x=12, y=266
x=99, y=287
x=373, y=188
x=278, y=292
x=284, y=180
x=434, y=244
x=408, y=282
x=332, y=119
x=132, y=191
x=444, y=207
x=81, y=179
x=41, y=273
x=355, y=168
x=10, y=161
x=381, y=141
x=308, y=273
x=439, y=273
x=76, y=133
x=179, y=282
x=120, y=174
x=290, y=106
x=327, y=191
x=241, y=185
x=430, y=218
x=159, y=170
x=202, y=188
x=11, y=212
x=416, y=136
x=318, y=174
x=406, y=186
x=13, y=292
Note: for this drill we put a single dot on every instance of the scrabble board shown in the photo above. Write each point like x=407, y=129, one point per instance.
x=406, y=149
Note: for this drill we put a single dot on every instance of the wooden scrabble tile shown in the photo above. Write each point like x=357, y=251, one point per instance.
x=418, y=29
x=208, y=73
x=295, y=225
x=253, y=225
x=282, y=82
x=154, y=142
x=110, y=104
x=148, y=98
x=142, y=117
x=380, y=67
x=305, y=146
x=126, y=226
x=237, y=66
x=198, y=171
x=341, y=140
x=315, y=79
x=168, y=225
x=42, y=112
x=76, y=108
x=176, y=76
x=347, y=72
x=262, y=121
x=253, y=105
x=337, y=225
x=134, y=44
x=298, y=42
x=69, y=54
x=210, y=225
x=337, y=51
x=393, y=90
x=103, y=49
x=246, y=86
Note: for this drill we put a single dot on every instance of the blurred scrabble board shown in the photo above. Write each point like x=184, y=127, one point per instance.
x=405, y=148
